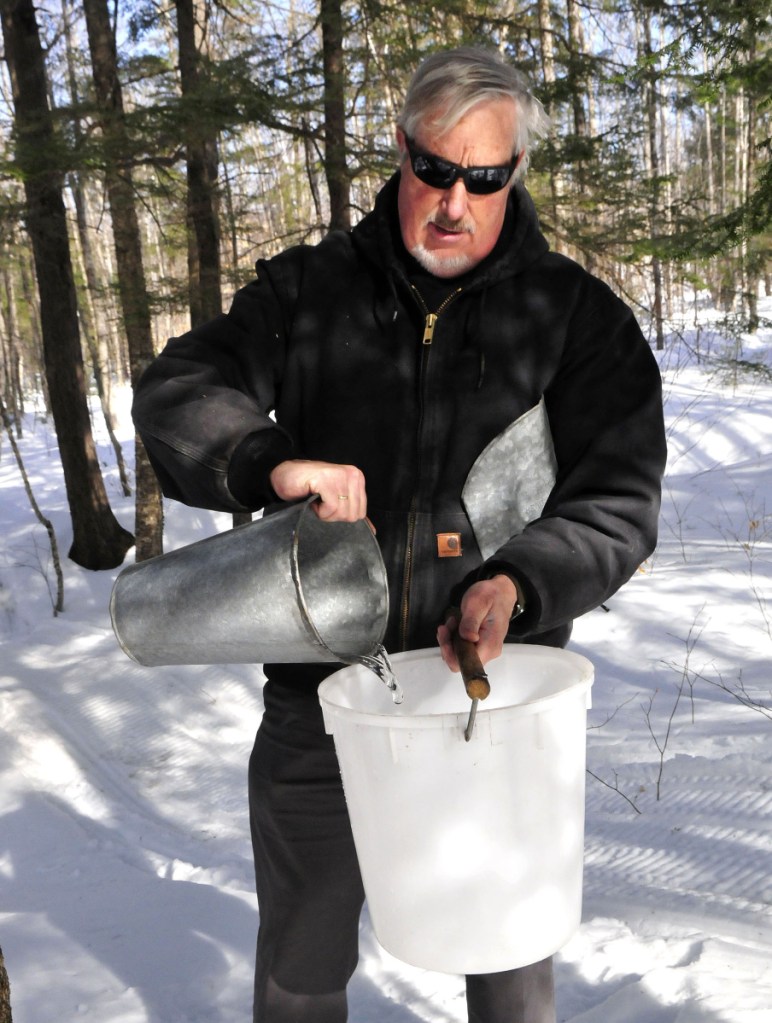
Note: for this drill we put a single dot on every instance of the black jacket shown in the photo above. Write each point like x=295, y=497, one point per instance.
x=329, y=337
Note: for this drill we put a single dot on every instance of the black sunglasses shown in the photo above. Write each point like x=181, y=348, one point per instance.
x=438, y=173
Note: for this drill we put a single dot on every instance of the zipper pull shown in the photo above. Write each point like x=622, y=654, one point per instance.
x=431, y=320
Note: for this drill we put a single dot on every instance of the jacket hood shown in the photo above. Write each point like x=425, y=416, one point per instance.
x=522, y=242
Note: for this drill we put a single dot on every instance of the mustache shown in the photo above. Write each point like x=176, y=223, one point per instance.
x=460, y=226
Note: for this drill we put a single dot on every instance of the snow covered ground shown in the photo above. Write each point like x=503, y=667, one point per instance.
x=125, y=871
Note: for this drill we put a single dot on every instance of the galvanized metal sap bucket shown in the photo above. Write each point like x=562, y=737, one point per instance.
x=288, y=587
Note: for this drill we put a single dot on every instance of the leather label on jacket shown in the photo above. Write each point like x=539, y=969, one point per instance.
x=449, y=545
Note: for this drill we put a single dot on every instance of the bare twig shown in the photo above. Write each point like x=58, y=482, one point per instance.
x=614, y=788
x=738, y=692
x=687, y=679
x=58, y=604
x=611, y=716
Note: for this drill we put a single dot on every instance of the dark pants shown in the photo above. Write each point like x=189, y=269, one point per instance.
x=309, y=888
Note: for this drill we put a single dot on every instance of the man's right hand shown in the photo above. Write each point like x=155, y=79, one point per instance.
x=341, y=488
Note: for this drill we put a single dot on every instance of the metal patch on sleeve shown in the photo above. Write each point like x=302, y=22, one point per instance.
x=449, y=545
x=508, y=485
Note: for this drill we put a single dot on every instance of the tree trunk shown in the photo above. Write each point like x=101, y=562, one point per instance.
x=128, y=256
x=99, y=541
x=579, y=92
x=31, y=302
x=650, y=102
x=548, y=70
x=5, y=993
x=13, y=392
x=754, y=260
x=338, y=182
x=100, y=367
x=709, y=167
x=576, y=67
x=308, y=154
x=201, y=159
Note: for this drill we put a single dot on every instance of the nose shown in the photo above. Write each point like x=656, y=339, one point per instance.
x=456, y=200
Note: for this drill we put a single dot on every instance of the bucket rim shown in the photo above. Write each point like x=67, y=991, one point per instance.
x=441, y=719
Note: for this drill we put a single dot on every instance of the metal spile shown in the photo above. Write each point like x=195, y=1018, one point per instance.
x=472, y=672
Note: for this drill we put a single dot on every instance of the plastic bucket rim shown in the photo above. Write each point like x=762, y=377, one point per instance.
x=440, y=719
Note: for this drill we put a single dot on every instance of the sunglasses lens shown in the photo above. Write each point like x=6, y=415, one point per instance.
x=434, y=172
x=486, y=180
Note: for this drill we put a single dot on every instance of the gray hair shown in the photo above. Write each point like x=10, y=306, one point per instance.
x=449, y=83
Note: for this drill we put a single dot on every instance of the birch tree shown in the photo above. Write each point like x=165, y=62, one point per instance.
x=128, y=255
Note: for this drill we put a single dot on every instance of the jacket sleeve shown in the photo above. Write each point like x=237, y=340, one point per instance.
x=600, y=521
x=202, y=407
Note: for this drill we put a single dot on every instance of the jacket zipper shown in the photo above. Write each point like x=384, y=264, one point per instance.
x=430, y=322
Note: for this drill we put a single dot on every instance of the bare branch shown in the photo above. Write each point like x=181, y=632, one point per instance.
x=58, y=604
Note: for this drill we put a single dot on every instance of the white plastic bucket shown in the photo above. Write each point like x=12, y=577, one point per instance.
x=471, y=852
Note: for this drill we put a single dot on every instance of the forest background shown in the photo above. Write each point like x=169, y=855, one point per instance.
x=151, y=151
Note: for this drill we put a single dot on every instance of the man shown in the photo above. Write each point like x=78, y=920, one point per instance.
x=492, y=408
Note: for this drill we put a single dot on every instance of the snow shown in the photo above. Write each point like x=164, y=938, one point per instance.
x=126, y=889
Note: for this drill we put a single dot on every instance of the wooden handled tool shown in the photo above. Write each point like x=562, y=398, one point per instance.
x=475, y=679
